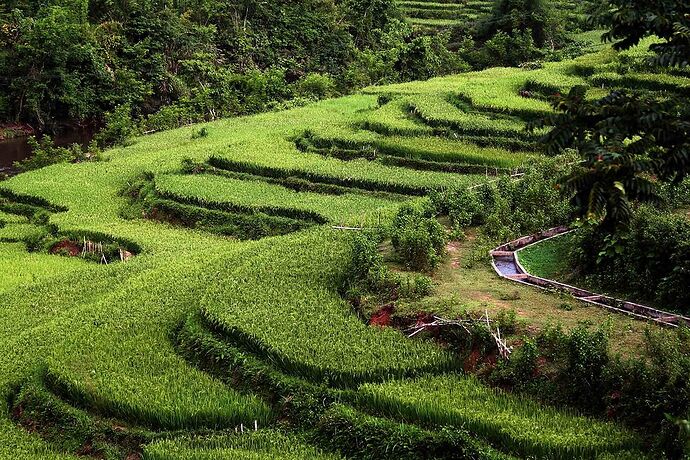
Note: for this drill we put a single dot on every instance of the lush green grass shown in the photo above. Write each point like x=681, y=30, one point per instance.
x=11, y=218
x=104, y=331
x=283, y=304
x=19, y=231
x=550, y=258
x=434, y=14
x=358, y=173
x=18, y=267
x=495, y=89
x=445, y=147
x=430, y=5
x=440, y=112
x=394, y=118
x=434, y=22
x=454, y=151
x=234, y=194
x=118, y=357
x=260, y=445
x=519, y=425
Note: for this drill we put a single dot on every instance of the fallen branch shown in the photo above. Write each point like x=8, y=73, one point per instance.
x=504, y=350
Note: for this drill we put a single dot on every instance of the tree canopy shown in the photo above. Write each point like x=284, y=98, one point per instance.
x=630, y=140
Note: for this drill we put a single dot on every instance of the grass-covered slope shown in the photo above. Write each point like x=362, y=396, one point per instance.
x=517, y=424
x=268, y=445
x=434, y=15
x=101, y=338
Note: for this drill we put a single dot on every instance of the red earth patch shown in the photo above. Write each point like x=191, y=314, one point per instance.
x=382, y=317
x=66, y=246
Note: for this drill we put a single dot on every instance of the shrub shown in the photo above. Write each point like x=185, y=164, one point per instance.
x=536, y=18
x=368, y=274
x=507, y=320
x=462, y=205
x=428, y=56
x=524, y=361
x=587, y=358
x=169, y=117
x=119, y=127
x=419, y=240
x=366, y=270
x=416, y=287
x=316, y=86
x=41, y=217
x=509, y=50
x=646, y=392
x=509, y=208
x=650, y=258
x=650, y=391
x=45, y=153
x=200, y=133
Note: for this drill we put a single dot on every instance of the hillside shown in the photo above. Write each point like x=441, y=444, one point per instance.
x=220, y=304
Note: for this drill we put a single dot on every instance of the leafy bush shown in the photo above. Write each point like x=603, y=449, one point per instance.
x=200, y=133
x=402, y=55
x=587, y=357
x=509, y=208
x=169, y=117
x=509, y=50
x=525, y=361
x=537, y=18
x=366, y=269
x=650, y=258
x=427, y=56
x=119, y=127
x=416, y=287
x=419, y=240
x=45, y=153
x=315, y=86
x=646, y=392
x=650, y=391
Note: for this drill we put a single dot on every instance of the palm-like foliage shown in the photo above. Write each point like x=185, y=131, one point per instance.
x=628, y=141
x=631, y=21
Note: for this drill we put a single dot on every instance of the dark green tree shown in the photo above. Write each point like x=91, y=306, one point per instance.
x=511, y=17
x=369, y=18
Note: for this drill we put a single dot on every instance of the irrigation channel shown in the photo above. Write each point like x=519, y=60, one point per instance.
x=506, y=262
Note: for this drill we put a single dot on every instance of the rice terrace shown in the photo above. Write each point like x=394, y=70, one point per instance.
x=345, y=229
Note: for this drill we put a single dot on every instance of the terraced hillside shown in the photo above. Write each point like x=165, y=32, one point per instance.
x=222, y=313
x=435, y=15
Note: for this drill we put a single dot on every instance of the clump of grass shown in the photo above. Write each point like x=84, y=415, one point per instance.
x=200, y=133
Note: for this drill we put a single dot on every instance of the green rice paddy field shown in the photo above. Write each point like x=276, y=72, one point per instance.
x=242, y=241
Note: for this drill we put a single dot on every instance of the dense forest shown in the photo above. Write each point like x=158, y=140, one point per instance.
x=169, y=63
x=71, y=61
